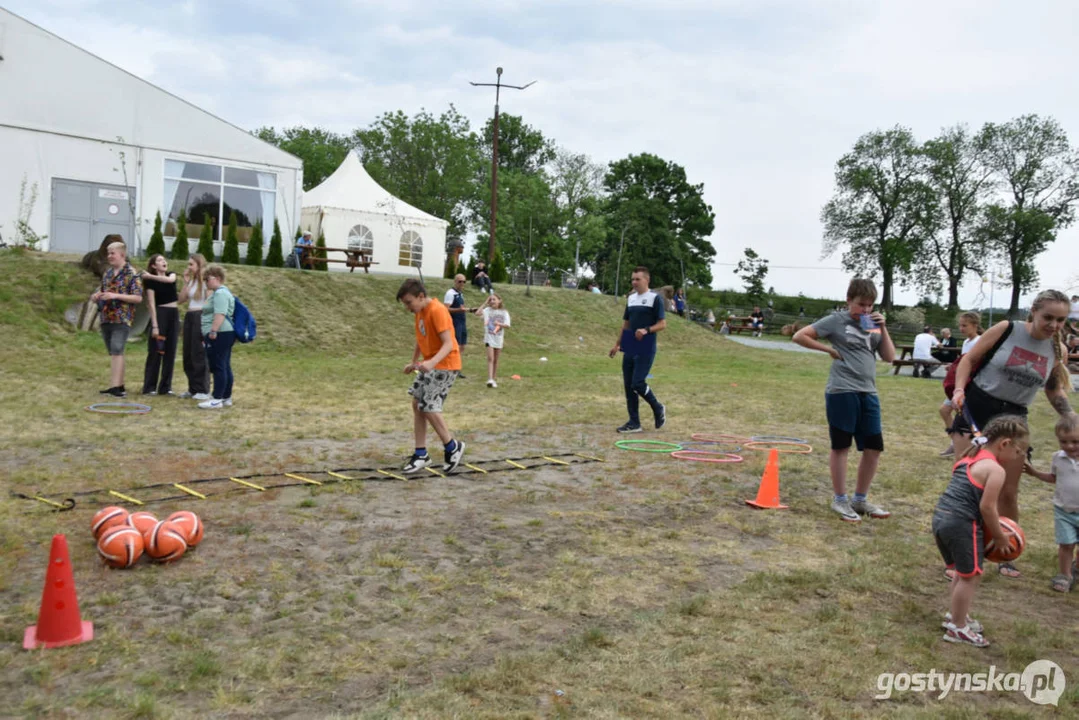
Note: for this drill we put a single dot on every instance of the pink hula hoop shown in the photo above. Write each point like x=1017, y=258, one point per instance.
x=765, y=446
x=719, y=457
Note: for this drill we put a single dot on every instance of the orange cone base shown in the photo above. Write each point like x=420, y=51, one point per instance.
x=762, y=506
x=30, y=641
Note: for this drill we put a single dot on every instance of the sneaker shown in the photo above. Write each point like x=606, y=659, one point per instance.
x=490, y=383
x=973, y=624
x=212, y=404
x=149, y=392
x=106, y=391
x=864, y=507
x=416, y=463
x=661, y=417
x=966, y=635
x=117, y=392
x=461, y=376
x=845, y=511
x=494, y=384
x=948, y=452
x=228, y=402
x=201, y=396
x=185, y=395
x=630, y=427
x=453, y=459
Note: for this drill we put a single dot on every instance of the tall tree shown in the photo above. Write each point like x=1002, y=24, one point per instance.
x=664, y=219
x=521, y=147
x=322, y=151
x=577, y=187
x=882, y=209
x=528, y=221
x=957, y=170
x=753, y=269
x=429, y=162
x=1039, y=173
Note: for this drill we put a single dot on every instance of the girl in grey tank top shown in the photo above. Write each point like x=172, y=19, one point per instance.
x=1019, y=368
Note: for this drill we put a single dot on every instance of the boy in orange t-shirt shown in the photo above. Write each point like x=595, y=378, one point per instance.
x=436, y=344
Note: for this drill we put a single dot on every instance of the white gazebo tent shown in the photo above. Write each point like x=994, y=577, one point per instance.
x=352, y=210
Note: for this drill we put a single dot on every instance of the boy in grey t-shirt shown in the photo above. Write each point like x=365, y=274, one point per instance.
x=850, y=398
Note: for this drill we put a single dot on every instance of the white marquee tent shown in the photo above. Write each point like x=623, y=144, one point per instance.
x=352, y=210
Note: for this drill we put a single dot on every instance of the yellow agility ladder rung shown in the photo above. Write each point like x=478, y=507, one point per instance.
x=519, y=466
x=48, y=501
x=189, y=491
x=589, y=457
x=339, y=476
x=125, y=497
x=473, y=467
x=390, y=474
x=436, y=472
x=301, y=477
x=556, y=461
x=248, y=484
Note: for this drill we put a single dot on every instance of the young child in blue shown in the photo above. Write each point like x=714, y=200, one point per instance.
x=968, y=511
x=643, y=318
x=1064, y=473
x=850, y=398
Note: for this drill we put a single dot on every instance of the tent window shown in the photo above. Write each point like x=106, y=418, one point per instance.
x=360, y=237
x=411, y=249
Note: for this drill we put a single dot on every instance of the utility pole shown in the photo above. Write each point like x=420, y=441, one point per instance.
x=618, y=272
x=497, y=85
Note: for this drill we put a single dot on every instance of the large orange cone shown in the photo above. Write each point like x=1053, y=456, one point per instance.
x=768, y=494
x=58, y=622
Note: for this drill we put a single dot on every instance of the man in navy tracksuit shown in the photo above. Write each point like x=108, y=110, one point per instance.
x=644, y=317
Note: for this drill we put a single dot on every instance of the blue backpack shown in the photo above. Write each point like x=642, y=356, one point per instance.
x=243, y=322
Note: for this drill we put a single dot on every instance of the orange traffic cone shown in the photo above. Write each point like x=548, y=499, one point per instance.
x=768, y=494
x=58, y=622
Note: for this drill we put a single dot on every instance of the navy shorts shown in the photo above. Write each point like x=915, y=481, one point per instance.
x=854, y=416
x=961, y=544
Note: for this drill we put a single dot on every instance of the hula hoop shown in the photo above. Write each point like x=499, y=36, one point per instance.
x=721, y=438
x=777, y=438
x=124, y=408
x=720, y=457
x=710, y=444
x=805, y=449
x=667, y=447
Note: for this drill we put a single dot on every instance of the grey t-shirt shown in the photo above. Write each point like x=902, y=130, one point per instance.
x=857, y=371
x=1066, y=494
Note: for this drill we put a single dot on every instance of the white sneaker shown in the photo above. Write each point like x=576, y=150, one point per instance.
x=228, y=402
x=212, y=404
x=494, y=384
x=845, y=511
x=185, y=395
x=202, y=396
x=490, y=382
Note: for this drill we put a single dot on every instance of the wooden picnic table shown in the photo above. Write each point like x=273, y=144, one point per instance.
x=354, y=257
x=907, y=351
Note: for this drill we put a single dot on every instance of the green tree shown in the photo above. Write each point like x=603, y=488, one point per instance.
x=429, y=162
x=180, y=249
x=275, y=257
x=882, y=210
x=577, y=188
x=470, y=271
x=521, y=147
x=1035, y=164
x=156, y=246
x=753, y=269
x=498, y=272
x=958, y=172
x=206, y=239
x=450, y=269
x=528, y=224
x=322, y=151
x=254, y=246
x=230, y=253
x=320, y=252
x=664, y=220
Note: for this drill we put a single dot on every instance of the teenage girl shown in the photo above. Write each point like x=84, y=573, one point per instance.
x=495, y=321
x=161, y=297
x=195, y=294
x=970, y=327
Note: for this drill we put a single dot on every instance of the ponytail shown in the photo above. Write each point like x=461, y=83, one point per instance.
x=1059, y=377
x=1002, y=427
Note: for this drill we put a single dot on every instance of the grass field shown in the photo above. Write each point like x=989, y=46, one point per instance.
x=639, y=587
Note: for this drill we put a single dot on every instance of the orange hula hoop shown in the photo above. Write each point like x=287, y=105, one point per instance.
x=765, y=445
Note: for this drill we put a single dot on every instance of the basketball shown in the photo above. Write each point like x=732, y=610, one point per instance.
x=106, y=518
x=142, y=521
x=191, y=525
x=166, y=542
x=1017, y=543
x=120, y=546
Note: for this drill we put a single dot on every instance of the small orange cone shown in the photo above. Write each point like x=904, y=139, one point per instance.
x=58, y=622
x=768, y=494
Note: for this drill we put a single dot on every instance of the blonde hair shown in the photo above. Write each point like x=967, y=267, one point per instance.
x=501, y=302
x=1002, y=427
x=1059, y=377
x=1066, y=424
x=117, y=245
x=215, y=271
x=198, y=280
x=971, y=318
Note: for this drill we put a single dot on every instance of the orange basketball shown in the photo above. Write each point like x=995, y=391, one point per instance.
x=142, y=521
x=120, y=546
x=106, y=518
x=165, y=542
x=1017, y=542
x=191, y=524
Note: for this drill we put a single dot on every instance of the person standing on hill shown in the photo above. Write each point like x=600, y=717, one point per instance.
x=121, y=291
x=161, y=299
x=455, y=303
x=643, y=318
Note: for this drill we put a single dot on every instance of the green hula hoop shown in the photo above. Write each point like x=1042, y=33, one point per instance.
x=665, y=447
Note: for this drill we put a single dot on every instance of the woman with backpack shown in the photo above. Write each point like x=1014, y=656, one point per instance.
x=218, y=336
x=1005, y=370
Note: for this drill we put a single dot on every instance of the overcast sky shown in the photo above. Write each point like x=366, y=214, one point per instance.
x=757, y=99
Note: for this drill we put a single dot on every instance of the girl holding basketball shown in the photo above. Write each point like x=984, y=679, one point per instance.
x=968, y=511
x=495, y=321
x=1010, y=363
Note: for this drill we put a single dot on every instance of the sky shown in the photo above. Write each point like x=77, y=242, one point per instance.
x=756, y=99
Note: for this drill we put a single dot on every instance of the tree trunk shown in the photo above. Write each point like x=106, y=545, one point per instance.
x=953, y=294
x=886, y=290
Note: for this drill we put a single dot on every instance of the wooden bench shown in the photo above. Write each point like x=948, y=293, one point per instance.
x=354, y=257
x=931, y=365
x=738, y=324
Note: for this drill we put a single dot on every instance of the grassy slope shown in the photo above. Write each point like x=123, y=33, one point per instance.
x=665, y=595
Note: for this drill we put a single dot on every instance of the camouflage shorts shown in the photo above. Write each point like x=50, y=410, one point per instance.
x=431, y=388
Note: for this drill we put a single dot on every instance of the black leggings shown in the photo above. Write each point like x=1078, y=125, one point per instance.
x=195, y=366
x=159, y=365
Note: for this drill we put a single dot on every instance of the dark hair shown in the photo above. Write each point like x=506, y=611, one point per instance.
x=927, y=328
x=642, y=269
x=1011, y=427
x=150, y=263
x=412, y=287
x=861, y=288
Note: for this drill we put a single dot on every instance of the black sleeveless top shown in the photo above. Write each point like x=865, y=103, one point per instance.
x=962, y=499
x=164, y=293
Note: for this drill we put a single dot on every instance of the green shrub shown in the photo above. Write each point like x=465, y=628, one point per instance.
x=275, y=258
x=180, y=250
x=206, y=239
x=156, y=245
x=254, y=245
x=231, y=252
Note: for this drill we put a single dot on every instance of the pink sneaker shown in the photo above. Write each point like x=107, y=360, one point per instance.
x=955, y=634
